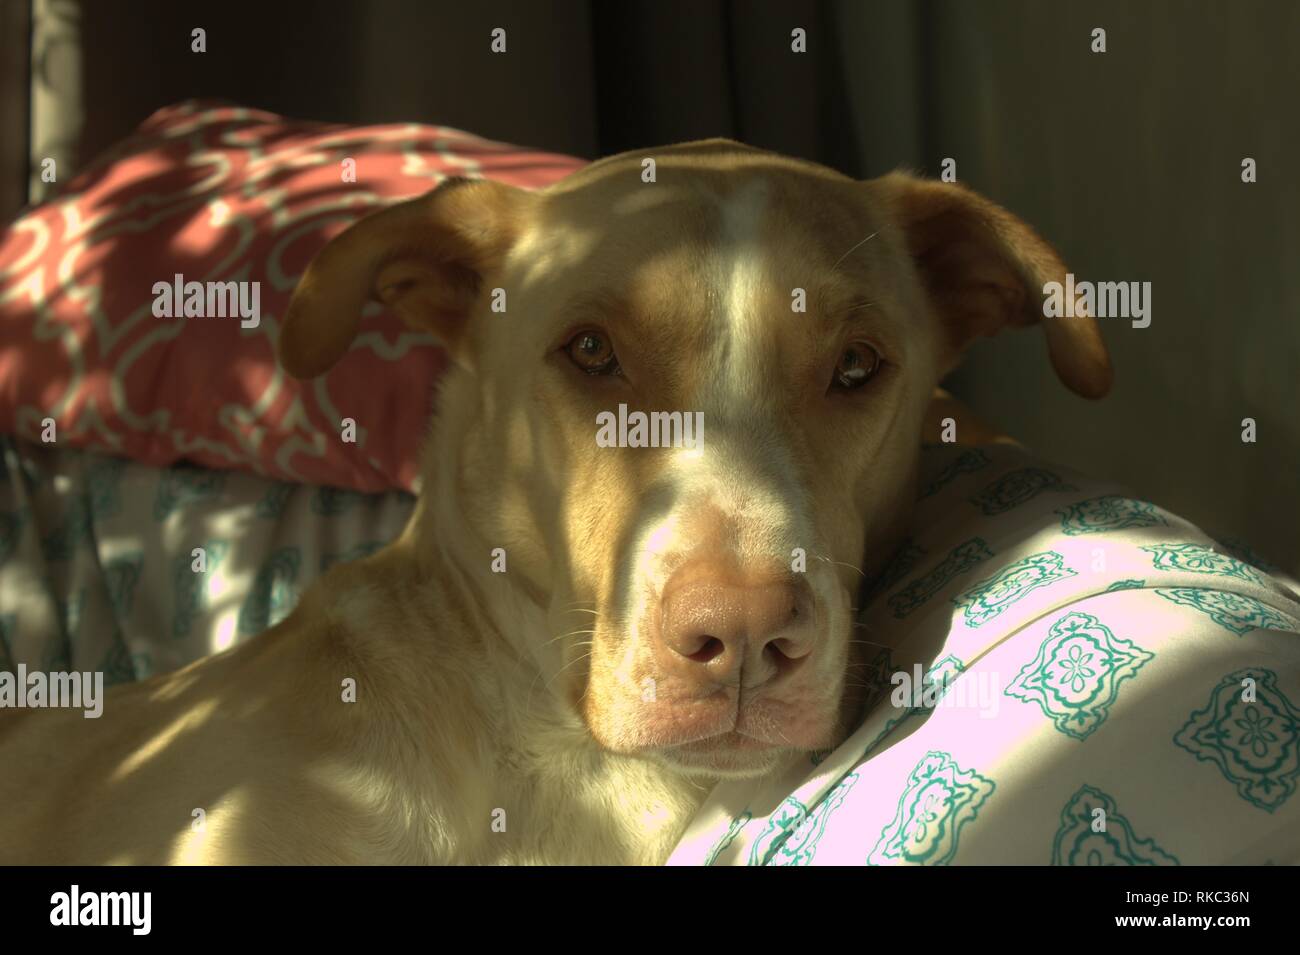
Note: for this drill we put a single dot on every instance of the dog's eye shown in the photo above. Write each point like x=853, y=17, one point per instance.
x=592, y=351
x=857, y=364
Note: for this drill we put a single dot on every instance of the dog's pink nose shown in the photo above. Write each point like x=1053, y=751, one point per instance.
x=714, y=631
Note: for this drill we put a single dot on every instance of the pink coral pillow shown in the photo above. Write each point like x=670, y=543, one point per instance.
x=217, y=193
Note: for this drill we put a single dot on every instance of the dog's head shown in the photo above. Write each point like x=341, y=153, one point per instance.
x=779, y=326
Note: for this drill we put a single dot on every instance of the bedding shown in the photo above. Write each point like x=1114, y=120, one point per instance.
x=98, y=570
x=1060, y=674
x=205, y=194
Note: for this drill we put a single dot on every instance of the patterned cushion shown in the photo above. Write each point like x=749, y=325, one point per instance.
x=217, y=193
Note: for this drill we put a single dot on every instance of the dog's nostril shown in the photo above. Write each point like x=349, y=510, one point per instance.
x=711, y=650
x=784, y=652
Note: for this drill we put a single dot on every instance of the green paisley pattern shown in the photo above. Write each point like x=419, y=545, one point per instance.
x=788, y=816
x=1108, y=513
x=120, y=577
x=184, y=485
x=333, y=501
x=104, y=477
x=940, y=800
x=970, y=460
x=75, y=530
x=902, y=563
x=943, y=673
x=1236, y=613
x=1255, y=744
x=117, y=666
x=1012, y=490
x=1077, y=842
x=1076, y=676
x=273, y=502
x=1193, y=558
x=988, y=599
x=273, y=593
x=960, y=560
x=727, y=838
x=800, y=847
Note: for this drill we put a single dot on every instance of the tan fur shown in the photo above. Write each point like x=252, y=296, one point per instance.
x=477, y=691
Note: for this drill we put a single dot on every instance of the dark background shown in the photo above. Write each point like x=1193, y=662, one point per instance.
x=1129, y=161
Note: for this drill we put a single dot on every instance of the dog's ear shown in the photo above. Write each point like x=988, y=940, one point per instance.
x=425, y=258
x=985, y=269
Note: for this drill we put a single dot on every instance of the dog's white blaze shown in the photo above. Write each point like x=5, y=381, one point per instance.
x=648, y=578
x=742, y=272
x=750, y=482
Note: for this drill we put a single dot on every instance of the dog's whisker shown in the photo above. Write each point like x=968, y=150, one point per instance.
x=555, y=676
x=581, y=643
x=870, y=643
x=571, y=633
x=841, y=563
x=856, y=246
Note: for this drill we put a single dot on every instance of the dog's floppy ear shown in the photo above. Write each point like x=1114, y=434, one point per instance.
x=425, y=258
x=985, y=269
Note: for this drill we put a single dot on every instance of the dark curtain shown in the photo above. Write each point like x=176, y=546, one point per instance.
x=684, y=69
x=588, y=77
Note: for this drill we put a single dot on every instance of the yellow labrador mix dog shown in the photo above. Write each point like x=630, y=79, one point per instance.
x=575, y=637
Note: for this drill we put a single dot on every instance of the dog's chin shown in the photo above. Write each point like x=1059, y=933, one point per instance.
x=726, y=756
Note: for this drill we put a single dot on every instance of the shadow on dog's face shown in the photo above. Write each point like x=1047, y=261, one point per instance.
x=688, y=410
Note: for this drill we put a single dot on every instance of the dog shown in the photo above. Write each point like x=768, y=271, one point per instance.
x=571, y=642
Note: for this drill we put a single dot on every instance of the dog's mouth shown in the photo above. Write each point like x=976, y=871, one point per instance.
x=721, y=736
x=731, y=753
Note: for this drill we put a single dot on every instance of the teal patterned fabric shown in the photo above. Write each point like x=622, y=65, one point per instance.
x=940, y=800
x=1199, y=559
x=958, y=562
x=1076, y=675
x=1236, y=613
x=989, y=598
x=1250, y=731
x=800, y=848
x=1094, y=832
x=1109, y=512
x=1013, y=489
x=274, y=592
x=113, y=545
x=1101, y=683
